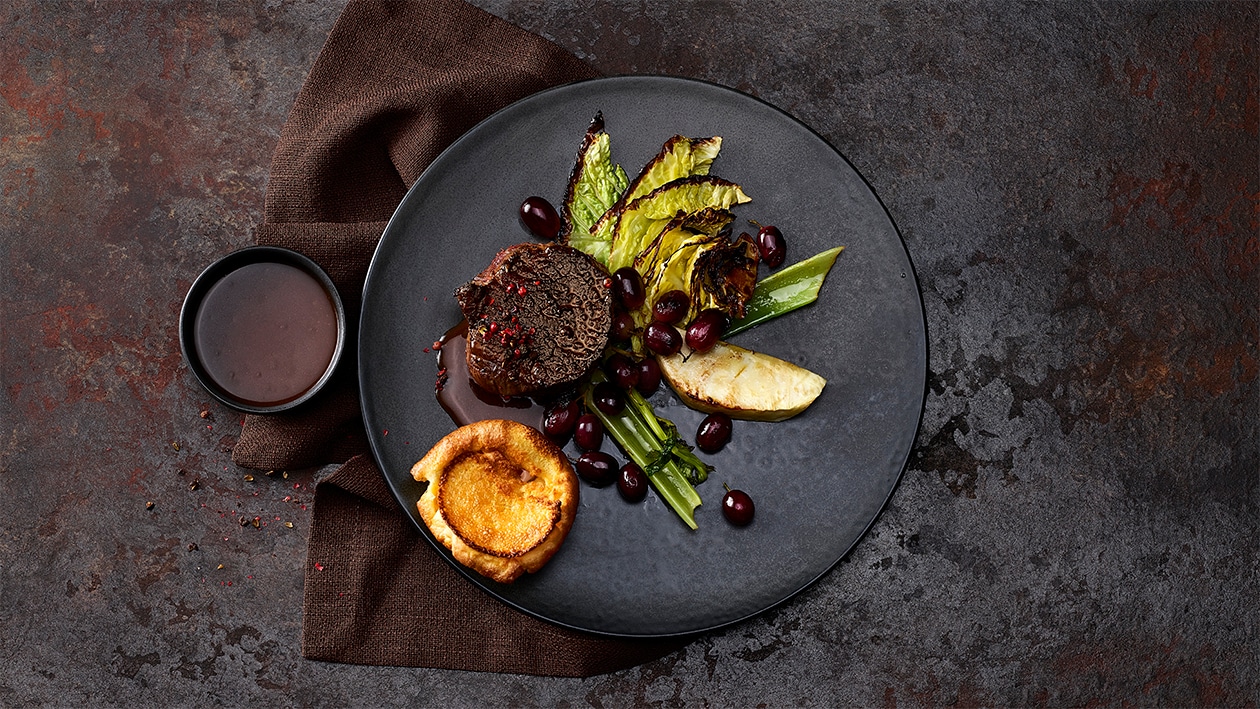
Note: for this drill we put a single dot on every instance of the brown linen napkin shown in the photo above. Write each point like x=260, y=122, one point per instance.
x=394, y=85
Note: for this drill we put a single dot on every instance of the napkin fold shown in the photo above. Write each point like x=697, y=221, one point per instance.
x=395, y=83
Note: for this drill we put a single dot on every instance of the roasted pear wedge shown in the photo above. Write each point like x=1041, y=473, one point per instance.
x=741, y=383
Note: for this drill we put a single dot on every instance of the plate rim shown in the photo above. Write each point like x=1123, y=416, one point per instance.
x=470, y=575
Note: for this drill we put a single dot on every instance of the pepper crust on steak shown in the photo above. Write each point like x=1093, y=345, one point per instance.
x=538, y=316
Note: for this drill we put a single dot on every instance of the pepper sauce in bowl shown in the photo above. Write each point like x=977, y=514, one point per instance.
x=262, y=329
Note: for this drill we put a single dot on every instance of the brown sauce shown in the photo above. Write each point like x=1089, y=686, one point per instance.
x=266, y=333
x=466, y=402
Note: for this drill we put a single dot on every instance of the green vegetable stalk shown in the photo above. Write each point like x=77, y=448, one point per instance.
x=653, y=444
x=794, y=287
x=665, y=431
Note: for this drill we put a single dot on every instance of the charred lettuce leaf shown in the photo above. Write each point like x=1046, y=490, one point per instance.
x=713, y=270
x=671, y=271
x=595, y=185
x=679, y=157
x=695, y=254
x=678, y=231
x=724, y=277
x=675, y=271
x=642, y=220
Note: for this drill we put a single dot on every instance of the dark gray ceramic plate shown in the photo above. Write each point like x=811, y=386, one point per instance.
x=819, y=480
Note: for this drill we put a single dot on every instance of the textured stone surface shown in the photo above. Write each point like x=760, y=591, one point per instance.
x=1078, y=187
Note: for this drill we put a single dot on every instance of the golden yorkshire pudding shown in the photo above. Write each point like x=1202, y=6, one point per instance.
x=501, y=497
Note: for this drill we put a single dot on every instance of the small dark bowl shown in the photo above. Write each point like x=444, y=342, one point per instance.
x=216, y=272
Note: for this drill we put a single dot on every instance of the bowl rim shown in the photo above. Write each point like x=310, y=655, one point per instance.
x=218, y=270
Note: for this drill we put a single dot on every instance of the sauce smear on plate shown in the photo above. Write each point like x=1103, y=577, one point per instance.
x=464, y=401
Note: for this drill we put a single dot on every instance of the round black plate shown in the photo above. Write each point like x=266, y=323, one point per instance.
x=819, y=480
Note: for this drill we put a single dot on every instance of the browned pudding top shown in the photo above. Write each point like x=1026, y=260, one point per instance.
x=501, y=497
x=495, y=505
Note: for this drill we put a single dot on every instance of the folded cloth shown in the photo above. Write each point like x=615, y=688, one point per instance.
x=395, y=84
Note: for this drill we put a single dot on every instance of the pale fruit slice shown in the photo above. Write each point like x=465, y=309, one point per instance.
x=741, y=383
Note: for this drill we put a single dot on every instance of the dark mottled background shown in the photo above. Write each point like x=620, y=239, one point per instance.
x=1078, y=187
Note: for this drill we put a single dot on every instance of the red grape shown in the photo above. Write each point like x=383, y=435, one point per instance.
x=632, y=483
x=671, y=307
x=649, y=376
x=771, y=245
x=737, y=507
x=608, y=399
x=540, y=218
x=560, y=420
x=623, y=371
x=629, y=285
x=597, y=468
x=662, y=339
x=714, y=433
x=705, y=331
x=622, y=326
x=589, y=433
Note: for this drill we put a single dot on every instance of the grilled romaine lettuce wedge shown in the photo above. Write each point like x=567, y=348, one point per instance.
x=679, y=157
x=642, y=220
x=595, y=185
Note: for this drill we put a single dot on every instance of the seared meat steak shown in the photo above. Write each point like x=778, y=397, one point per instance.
x=538, y=316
